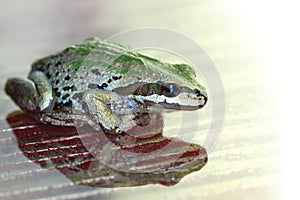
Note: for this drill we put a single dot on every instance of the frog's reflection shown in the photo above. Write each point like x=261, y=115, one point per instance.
x=152, y=159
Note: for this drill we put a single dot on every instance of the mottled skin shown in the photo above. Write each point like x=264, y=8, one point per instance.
x=104, y=83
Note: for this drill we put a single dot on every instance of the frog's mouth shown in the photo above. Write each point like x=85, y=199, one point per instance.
x=176, y=103
x=176, y=106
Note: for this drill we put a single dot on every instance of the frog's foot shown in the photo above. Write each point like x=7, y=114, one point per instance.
x=112, y=111
x=97, y=101
x=33, y=94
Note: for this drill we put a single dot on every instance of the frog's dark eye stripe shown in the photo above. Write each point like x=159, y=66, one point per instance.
x=170, y=89
x=166, y=89
x=148, y=89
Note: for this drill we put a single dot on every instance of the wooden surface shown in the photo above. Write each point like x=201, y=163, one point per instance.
x=244, y=162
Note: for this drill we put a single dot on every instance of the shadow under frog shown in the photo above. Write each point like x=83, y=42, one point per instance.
x=138, y=157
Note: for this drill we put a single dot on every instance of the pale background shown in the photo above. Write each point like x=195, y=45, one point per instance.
x=245, y=41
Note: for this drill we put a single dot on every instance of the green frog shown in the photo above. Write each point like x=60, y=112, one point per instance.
x=105, y=84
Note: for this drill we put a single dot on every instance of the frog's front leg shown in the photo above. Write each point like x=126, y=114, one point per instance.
x=112, y=110
x=33, y=94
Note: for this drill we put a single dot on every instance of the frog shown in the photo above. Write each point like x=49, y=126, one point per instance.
x=106, y=84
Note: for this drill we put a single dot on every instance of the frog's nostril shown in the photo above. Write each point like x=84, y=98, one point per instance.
x=197, y=92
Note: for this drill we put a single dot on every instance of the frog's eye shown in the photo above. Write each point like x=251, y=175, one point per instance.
x=170, y=89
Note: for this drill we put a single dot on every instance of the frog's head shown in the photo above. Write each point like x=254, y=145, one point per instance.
x=171, y=95
x=176, y=88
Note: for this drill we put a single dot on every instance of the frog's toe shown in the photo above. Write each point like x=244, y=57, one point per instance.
x=127, y=122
